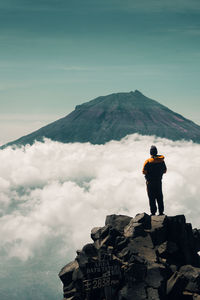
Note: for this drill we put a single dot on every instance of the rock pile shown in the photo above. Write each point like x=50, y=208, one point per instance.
x=146, y=257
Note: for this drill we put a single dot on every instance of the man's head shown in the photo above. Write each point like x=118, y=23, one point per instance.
x=153, y=150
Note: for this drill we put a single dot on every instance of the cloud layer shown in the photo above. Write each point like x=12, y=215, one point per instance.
x=54, y=192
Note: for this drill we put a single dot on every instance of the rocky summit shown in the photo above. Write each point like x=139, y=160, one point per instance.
x=141, y=258
x=114, y=116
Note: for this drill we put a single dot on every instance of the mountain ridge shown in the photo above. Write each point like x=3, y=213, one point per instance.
x=114, y=116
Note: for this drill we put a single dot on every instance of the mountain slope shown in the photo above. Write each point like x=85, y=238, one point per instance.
x=114, y=116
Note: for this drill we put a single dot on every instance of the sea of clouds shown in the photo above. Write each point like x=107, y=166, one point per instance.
x=52, y=194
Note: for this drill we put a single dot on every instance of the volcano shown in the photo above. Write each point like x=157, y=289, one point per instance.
x=114, y=116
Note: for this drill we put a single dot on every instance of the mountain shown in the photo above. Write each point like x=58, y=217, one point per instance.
x=114, y=116
x=141, y=258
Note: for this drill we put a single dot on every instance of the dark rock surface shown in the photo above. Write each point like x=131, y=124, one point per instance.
x=141, y=258
x=114, y=116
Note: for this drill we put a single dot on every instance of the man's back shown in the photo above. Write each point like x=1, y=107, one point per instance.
x=154, y=168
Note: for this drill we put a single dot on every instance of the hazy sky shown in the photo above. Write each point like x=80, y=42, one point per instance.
x=59, y=53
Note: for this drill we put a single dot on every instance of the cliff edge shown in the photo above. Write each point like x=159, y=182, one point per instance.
x=141, y=258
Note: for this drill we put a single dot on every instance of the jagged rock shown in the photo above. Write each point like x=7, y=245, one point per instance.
x=144, y=219
x=143, y=246
x=167, y=248
x=184, y=238
x=136, y=293
x=77, y=275
x=154, y=276
x=121, y=243
x=69, y=293
x=187, y=295
x=158, y=229
x=196, y=235
x=134, y=229
x=90, y=250
x=192, y=274
x=141, y=258
x=118, y=221
x=176, y=285
x=66, y=272
x=152, y=294
x=95, y=233
x=168, y=252
x=107, y=236
x=173, y=268
x=82, y=259
x=135, y=272
x=190, y=296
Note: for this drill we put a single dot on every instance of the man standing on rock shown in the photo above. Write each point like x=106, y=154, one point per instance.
x=153, y=169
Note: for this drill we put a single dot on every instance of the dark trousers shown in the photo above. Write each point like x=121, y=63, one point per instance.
x=154, y=191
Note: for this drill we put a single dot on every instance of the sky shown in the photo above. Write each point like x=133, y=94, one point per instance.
x=48, y=209
x=56, y=54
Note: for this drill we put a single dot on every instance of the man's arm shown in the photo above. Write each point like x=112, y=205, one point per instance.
x=164, y=167
x=144, y=170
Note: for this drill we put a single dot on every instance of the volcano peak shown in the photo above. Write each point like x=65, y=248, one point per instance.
x=114, y=116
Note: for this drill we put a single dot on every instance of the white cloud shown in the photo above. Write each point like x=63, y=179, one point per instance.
x=54, y=191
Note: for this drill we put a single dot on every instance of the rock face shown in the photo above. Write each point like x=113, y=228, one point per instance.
x=141, y=258
x=114, y=116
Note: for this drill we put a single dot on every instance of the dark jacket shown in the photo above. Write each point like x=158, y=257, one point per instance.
x=154, y=168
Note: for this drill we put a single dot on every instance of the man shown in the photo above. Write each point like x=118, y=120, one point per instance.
x=153, y=169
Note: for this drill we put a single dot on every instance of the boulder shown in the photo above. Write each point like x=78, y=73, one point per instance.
x=138, y=292
x=196, y=235
x=67, y=271
x=134, y=229
x=143, y=246
x=121, y=243
x=105, y=236
x=135, y=272
x=158, y=229
x=176, y=285
x=181, y=233
x=152, y=294
x=154, y=277
x=192, y=274
x=95, y=233
x=90, y=250
x=140, y=258
x=144, y=219
x=167, y=249
x=118, y=221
